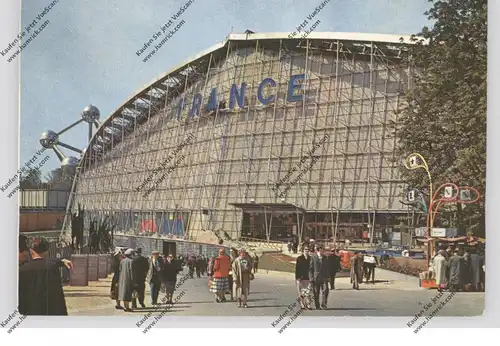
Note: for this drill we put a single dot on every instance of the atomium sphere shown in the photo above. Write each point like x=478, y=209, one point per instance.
x=82, y=154
x=90, y=114
x=48, y=139
x=69, y=162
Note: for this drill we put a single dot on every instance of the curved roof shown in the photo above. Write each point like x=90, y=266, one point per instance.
x=150, y=98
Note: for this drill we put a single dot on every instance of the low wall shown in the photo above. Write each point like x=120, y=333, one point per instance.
x=402, y=268
x=420, y=264
x=89, y=268
x=404, y=265
x=394, y=276
x=150, y=244
x=274, y=262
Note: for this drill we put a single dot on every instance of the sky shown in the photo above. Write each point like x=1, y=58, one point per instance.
x=86, y=54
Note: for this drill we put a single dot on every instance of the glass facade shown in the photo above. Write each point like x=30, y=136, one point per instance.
x=263, y=119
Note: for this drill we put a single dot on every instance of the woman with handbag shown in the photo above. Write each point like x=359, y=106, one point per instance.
x=220, y=282
x=242, y=275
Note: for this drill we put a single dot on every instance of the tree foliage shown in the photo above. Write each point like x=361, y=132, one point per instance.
x=59, y=177
x=31, y=179
x=445, y=116
x=54, y=175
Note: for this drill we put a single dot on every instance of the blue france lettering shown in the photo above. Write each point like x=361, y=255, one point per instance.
x=237, y=96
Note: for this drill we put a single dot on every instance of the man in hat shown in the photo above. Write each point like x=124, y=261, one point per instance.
x=154, y=277
x=40, y=287
x=141, y=268
x=126, y=280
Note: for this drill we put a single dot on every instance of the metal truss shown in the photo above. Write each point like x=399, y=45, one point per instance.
x=351, y=91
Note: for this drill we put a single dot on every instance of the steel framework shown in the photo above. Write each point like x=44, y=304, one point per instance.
x=352, y=90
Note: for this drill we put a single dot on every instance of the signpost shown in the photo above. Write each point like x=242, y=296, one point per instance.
x=438, y=232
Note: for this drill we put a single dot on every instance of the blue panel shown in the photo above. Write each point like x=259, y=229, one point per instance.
x=180, y=107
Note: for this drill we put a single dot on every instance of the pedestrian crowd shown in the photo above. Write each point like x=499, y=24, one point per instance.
x=232, y=275
x=458, y=269
x=316, y=273
x=131, y=272
x=227, y=275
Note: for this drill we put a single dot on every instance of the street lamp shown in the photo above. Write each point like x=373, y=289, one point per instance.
x=417, y=161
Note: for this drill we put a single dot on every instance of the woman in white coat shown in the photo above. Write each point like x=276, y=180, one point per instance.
x=440, y=264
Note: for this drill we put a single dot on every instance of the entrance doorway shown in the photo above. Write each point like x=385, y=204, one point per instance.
x=169, y=247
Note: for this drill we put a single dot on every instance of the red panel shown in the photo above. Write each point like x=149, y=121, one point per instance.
x=148, y=226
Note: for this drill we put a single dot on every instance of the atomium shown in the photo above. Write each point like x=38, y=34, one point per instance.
x=51, y=140
x=90, y=114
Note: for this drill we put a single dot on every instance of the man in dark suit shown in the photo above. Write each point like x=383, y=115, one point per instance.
x=140, y=265
x=335, y=267
x=319, y=274
x=154, y=277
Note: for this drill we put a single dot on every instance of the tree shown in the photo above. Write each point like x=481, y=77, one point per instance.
x=54, y=175
x=445, y=116
x=59, y=177
x=31, y=179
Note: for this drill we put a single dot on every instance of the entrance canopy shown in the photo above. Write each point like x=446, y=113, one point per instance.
x=272, y=208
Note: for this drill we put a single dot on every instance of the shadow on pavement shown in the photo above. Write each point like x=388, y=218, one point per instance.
x=251, y=306
x=351, y=309
x=83, y=294
x=262, y=299
x=146, y=310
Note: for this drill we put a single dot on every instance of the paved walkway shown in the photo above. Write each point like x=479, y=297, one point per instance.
x=272, y=292
x=83, y=298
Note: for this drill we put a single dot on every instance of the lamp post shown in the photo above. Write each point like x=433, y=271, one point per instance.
x=450, y=195
x=417, y=161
